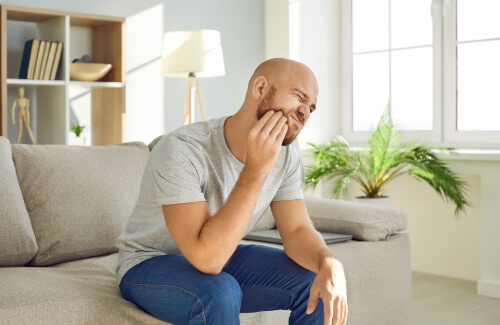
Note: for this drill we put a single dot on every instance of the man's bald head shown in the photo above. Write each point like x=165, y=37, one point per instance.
x=279, y=69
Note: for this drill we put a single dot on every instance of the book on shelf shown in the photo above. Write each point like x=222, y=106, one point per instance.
x=28, y=60
x=39, y=57
x=44, y=59
x=50, y=61
x=57, y=60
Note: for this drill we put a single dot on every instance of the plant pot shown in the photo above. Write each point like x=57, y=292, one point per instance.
x=77, y=141
x=380, y=201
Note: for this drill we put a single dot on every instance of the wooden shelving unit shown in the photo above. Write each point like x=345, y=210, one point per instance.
x=100, y=36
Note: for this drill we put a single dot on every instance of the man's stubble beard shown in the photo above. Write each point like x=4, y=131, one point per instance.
x=267, y=104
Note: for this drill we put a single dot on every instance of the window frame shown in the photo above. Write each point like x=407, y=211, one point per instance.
x=444, y=132
x=453, y=137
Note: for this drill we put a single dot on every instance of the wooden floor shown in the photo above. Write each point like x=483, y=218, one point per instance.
x=439, y=300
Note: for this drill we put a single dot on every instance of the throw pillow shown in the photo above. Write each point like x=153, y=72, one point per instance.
x=17, y=240
x=362, y=221
x=78, y=198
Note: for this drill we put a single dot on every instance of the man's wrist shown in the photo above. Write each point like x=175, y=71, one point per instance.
x=331, y=262
x=254, y=172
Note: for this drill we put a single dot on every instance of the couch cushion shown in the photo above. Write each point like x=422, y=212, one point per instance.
x=17, y=240
x=78, y=198
x=77, y=292
x=362, y=221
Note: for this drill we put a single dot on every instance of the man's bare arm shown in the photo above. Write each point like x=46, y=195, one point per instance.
x=302, y=243
x=209, y=241
x=306, y=247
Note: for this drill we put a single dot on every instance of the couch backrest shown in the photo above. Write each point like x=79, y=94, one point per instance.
x=17, y=240
x=78, y=198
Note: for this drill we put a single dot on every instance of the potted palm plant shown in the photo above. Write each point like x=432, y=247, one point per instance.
x=384, y=158
x=77, y=130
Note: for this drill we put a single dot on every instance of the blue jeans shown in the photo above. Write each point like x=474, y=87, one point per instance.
x=256, y=278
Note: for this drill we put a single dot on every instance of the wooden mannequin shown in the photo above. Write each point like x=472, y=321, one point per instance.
x=24, y=115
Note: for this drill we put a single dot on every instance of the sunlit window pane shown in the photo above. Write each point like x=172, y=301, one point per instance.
x=411, y=23
x=370, y=25
x=370, y=89
x=411, y=93
x=478, y=83
x=478, y=19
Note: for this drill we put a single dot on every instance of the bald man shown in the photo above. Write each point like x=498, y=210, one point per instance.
x=204, y=187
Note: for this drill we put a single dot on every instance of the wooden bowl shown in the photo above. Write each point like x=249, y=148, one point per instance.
x=88, y=71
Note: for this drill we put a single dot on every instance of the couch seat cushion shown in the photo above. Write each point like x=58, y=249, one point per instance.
x=78, y=292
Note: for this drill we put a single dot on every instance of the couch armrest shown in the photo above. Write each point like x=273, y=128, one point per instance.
x=362, y=221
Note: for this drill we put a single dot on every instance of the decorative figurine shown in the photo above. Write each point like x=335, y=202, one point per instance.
x=24, y=115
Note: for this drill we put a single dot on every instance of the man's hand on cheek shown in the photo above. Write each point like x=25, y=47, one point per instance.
x=264, y=141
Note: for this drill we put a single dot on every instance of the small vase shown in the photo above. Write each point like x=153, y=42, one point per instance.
x=380, y=201
x=77, y=141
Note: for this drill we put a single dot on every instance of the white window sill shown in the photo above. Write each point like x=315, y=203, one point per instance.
x=459, y=154
x=473, y=154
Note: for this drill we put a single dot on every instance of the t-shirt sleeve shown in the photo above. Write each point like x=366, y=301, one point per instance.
x=177, y=172
x=291, y=187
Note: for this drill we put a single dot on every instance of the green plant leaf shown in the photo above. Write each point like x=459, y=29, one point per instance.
x=384, y=158
x=76, y=129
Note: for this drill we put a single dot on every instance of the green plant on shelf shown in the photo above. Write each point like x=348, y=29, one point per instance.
x=77, y=129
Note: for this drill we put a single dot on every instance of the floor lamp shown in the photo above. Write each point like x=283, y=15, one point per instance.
x=193, y=54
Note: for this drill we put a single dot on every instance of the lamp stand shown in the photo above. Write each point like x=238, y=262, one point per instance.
x=193, y=90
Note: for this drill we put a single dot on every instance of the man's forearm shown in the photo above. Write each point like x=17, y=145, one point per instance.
x=221, y=234
x=308, y=249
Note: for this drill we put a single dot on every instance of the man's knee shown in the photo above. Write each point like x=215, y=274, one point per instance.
x=223, y=289
x=221, y=299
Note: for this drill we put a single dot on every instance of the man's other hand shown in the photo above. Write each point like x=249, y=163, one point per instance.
x=330, y=286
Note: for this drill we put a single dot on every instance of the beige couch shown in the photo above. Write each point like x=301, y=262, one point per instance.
x=62, y=208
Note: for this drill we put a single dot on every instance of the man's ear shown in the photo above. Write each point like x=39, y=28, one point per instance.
x=259, y=84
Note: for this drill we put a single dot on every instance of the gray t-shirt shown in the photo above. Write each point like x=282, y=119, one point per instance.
x=192, y=164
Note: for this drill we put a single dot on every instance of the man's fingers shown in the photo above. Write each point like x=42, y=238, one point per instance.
x=311, y=304
x=328, y=312
x=279, y=131
x=282, y=134
x=263, y=120
x=344, y=314
x=272, y=123
x=337, y=312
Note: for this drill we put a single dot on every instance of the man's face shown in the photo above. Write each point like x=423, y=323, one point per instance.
x=293, y=108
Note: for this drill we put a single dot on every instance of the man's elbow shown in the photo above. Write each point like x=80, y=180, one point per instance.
x=208, y=266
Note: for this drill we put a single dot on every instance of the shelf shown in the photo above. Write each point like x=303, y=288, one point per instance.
x=52, y=106
x=87, y=84
x=96, y=84
x=30, y=82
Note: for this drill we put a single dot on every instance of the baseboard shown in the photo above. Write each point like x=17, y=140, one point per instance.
x=488, y=288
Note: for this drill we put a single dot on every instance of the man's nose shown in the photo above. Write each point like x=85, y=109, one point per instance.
x=304, y=112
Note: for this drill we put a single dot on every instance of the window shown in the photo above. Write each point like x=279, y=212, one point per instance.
x=436, y=61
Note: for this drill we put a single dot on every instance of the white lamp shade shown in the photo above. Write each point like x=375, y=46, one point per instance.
x=197, y=51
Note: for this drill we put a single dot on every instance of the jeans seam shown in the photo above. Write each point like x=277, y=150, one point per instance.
x=161, y=286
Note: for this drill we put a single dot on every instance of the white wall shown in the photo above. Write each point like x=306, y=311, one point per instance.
x=318, y=42
x=155, y=104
